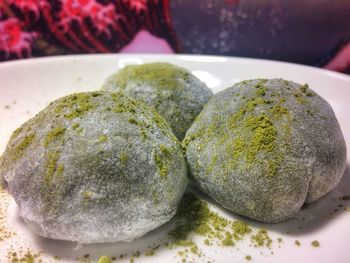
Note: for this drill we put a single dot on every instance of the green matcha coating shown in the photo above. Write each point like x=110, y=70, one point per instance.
x=173, y=91
x=162, y=74
x=103, y=138
x=263, y=148
x=18, y=150
x=74, y=106
x=54, y=134
x=102, y=173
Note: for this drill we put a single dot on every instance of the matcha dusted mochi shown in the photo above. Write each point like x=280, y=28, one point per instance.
x=173, y=91
x=94, y=167
x=263, y=148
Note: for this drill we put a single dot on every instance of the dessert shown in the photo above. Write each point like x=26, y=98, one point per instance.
x=94, y=167
x=174, y=92
x=263, y=148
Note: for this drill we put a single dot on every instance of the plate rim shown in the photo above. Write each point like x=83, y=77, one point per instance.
x=187, y=57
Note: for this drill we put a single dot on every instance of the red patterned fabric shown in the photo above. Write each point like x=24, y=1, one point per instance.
x=79, y=26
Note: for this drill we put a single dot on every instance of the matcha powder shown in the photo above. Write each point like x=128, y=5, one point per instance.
x=195, y=217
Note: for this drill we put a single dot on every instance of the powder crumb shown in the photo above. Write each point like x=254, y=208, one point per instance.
x=150, y=252
x=103, y=138
x=297, y=243
x=5, y=232
x=23, y=257
x=315, y=243
x=104, y=259
x=248, y=257
x=261, y=239
x=195, y=217
x=207, y=242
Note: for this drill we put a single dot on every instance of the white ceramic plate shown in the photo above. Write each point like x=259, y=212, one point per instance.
x=28, y=86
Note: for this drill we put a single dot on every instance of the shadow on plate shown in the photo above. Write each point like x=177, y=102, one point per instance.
x=311, y=217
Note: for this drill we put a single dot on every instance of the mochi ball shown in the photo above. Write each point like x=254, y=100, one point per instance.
x=94, y=167
x=263, y=148
x=173, y=91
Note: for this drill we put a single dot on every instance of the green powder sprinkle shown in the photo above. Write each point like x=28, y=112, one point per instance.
x=150, y=253
x=74, y=105
x=104, y=259
x=297, y=243
x=253, y=135
x=60, y=170
x=28, y=257
x=315, y=243
x=159, y=74
x=261, y=92
x=162, y=159
x=261, y=238
x=264, y=136
x=123, y=157
x=194, y=216
x=53, y=135
x=132, y=120
x=86, y=197
x=16, y=133
x=18, y=150
x=102, y=138
x=228, y=240
x=248, y=257
x=52, y=167
x=240, y=229
x=124, y=104
x=304, y=88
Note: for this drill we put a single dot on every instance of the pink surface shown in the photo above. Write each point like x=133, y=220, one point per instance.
x=145, y=42
x=341, y=61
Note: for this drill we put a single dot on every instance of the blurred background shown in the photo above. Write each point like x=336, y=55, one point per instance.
x=311, y=32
